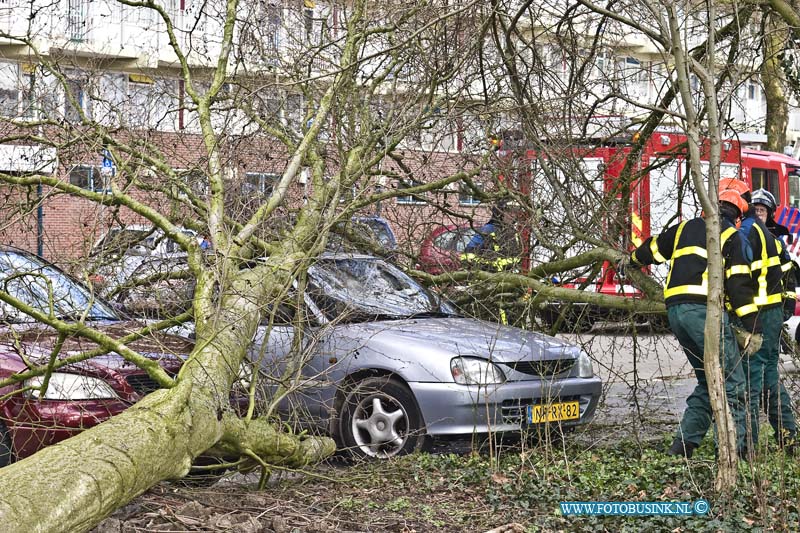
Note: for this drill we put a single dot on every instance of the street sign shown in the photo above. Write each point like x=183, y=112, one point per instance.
x=108, y=168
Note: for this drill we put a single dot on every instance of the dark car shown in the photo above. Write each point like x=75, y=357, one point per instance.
x=80, y=395
x=381, y=229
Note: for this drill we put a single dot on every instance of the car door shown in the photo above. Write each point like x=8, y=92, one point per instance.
x=292, y=372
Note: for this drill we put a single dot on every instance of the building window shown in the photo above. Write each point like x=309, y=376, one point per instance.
x=76, y=19
x=9, y=92
x=89, y=177
x=410, y=199
x=141, y=100
x=751, y=91
x=259, y=183
x=272, y=30
x=27, y=82
x=465, y=196
x=192, y=180
x=77, y=100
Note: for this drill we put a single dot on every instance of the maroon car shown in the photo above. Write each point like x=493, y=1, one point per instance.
x=82, y=394
x=441, y=250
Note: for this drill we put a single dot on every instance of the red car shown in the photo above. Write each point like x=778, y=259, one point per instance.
x=441, y=251
x=80, y=395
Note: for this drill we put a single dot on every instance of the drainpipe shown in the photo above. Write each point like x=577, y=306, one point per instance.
x=39, y=222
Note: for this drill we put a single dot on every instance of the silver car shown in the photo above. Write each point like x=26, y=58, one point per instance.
x=121, y=251
x=386, y=366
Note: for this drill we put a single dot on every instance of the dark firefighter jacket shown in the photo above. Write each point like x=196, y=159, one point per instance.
x=684, y=245
x=770, y=262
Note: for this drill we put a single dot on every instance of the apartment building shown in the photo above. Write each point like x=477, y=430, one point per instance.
x=101, y=63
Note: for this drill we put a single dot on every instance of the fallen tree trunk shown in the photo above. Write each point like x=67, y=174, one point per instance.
x=160, y=436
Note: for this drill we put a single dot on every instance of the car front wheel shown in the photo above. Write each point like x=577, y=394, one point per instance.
x=380, y=419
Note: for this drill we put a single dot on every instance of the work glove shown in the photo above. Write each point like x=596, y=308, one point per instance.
x=749, y=342
x=621, y=265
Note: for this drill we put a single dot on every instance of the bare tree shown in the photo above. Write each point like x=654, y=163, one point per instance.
x=320, y=111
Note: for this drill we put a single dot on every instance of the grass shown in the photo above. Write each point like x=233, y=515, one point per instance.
x=477, y=492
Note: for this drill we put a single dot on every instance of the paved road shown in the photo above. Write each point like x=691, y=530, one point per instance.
x=646, y=381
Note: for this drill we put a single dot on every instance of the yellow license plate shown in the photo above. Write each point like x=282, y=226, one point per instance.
x=553, y=412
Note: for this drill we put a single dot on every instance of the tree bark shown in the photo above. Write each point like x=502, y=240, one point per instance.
x=773, y=79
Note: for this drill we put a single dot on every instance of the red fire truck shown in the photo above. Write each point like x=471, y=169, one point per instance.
x=663, y=193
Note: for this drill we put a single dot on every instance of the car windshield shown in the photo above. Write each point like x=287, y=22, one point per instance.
x=457, y=239
x=356, y=289
x=138, y=241
x=127, y=240
x=47, y=289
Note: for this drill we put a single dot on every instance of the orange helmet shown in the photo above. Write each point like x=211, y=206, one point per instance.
x=732, y=183
x=735, y=198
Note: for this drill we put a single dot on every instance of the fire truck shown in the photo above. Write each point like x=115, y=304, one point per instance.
x=662, y=193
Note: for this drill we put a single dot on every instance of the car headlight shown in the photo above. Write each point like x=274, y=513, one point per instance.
x=245, y=377
x=585, y=369
x=63, y=386
x=475, y=371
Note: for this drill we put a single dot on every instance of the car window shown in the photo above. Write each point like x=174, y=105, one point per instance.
x=456, y=239
x=47, y=289
x=444, y=240
x=381, y=232
x=462, y=239
x=360, y=288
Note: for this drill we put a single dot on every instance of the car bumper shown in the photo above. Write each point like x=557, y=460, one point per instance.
x=43, y=423
x=451, y=409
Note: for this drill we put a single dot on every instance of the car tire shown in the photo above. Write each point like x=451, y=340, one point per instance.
x=6, y=447
x=575, y=320
x=380, y=419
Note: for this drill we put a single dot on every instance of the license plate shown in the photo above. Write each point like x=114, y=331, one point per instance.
x=553, y=412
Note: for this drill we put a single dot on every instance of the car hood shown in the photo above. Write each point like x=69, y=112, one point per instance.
x=459, y=336
x=36, y=342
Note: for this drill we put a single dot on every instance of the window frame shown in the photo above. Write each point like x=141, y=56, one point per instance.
x=409, y=199
x=95, y=174
x=260, y=188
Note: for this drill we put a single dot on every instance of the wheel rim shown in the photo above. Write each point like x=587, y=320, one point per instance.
x=379, y=425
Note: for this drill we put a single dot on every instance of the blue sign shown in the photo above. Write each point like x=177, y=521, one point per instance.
x=107, y=161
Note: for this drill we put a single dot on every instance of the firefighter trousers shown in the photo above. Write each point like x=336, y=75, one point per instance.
x=764, y=386
x=687, y=322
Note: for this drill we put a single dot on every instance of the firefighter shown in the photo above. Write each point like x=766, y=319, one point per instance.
x=771, y=263
x=493, y=249
x=686, y=294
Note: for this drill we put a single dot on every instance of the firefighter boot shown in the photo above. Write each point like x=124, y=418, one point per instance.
x=679, y=447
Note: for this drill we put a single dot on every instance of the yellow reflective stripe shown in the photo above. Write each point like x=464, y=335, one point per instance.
x=674, y=247
x=746, y=309
x=468, y=257
x=690, y=250
x=786, y=267
x=726, y=235
x=766, y=300
x=686, y=289
x=737, y=269
x=654, y=250
x=636, y=229
x=636, y=220
x=766, y=263
x=762, y=266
